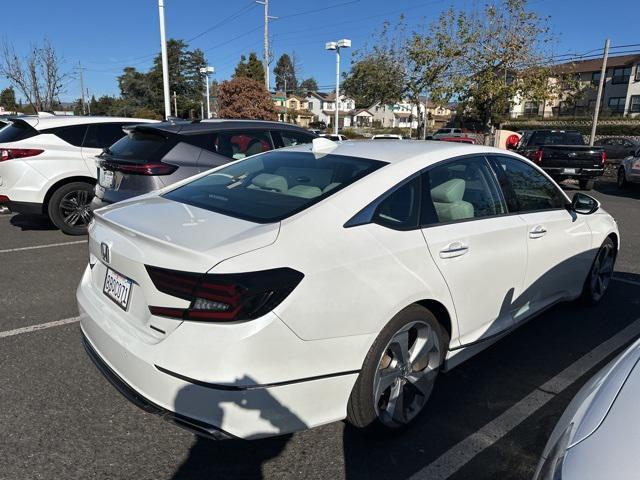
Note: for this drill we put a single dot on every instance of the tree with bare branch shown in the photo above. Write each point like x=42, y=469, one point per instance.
x=37, y=76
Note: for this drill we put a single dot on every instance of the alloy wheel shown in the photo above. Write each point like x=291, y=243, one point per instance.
x=602, y=271
x=74, y=208
x=406, y=373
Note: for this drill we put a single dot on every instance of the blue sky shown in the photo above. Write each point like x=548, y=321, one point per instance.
x=108, y=35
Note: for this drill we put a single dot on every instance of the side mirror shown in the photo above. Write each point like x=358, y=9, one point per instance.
x=584, y=204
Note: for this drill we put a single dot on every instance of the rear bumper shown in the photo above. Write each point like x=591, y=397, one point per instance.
x=182, y=377
x=580, y=173
x=27, y=208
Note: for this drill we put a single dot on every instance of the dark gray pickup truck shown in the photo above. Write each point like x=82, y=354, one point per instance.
x=563, y=155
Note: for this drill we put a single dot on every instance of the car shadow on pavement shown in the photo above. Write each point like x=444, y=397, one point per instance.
x=611, y=188
x=32, y=222
x=234, y=459
x=472, y=395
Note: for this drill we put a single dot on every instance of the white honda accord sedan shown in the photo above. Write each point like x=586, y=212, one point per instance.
x=328, y=281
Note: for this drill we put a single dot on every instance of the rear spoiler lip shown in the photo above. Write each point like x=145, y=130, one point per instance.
x=24, y=123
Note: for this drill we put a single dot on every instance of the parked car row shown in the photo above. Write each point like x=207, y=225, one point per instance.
x=352, y=258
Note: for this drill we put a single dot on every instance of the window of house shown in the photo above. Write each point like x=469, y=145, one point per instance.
x=638, y=72
x=566, y=108
x=530, y=108
x=634, y=104
x=616, y=104
x=310, y=105
x=595, y=78
x=621, y=75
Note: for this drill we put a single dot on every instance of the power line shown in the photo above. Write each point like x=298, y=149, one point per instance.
x=233, y=16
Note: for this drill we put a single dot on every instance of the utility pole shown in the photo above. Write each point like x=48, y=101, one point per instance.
x=165, y=61
x=267, y=17
x=175, y=104
x=82, y=88
x=603, y=74
x=88, y=102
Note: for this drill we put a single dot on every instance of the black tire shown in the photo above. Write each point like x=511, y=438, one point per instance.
x=590, y=295
x=622, y=179
x=69, y=207
x=363, y=405
x=586, y=184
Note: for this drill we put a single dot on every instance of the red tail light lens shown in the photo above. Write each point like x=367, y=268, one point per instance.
x=603, y=157
x=13, y=153
x=149, y=169
x=537, y=156
x=223, y=297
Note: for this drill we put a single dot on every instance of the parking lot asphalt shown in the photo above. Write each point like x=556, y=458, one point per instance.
x=59, y=418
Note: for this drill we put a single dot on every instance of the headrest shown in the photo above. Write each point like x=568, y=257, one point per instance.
x=449, y=191
x=304, y=191
x=267, y=181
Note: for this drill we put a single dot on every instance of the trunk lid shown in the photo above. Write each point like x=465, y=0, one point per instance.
x=571, y=156
x=158, y=232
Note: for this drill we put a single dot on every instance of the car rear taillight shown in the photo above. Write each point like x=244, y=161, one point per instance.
x=13, y=153
x=603, y=157
x=4, y=199
x=142, y=168
x=223, y=297
x=537, y=156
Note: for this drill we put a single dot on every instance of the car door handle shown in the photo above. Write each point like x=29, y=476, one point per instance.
x=454, y=249
x=537, y=232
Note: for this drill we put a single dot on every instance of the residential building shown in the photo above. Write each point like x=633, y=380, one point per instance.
x=292, y=109
x=323, y=106
x=621, y=92
x=405, y=114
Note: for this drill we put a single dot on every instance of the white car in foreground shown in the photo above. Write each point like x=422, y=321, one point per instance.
x=47, y=165
x=305, y=285
x=598, y=435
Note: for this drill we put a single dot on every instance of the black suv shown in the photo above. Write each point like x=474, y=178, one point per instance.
x=153, y=156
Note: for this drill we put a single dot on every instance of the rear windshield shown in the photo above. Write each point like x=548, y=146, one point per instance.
x=140, y=146
x=556, y=138
x=269, y=187
x=16, y=131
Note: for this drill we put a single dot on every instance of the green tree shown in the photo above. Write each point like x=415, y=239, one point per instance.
x=308, y=85
x=8, y=98
x=245, y=98
x=285, y=74
x=251, y=68
x=376, y=78
x=134, y=87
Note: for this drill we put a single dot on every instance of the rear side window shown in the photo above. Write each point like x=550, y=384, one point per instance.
x=460, y=190
x=238, y=145
x=102, y=135
x=73, y=134
x=401, y=209
x=140, y=146
x=14, y=132
x=525, y=188
x=270, y=187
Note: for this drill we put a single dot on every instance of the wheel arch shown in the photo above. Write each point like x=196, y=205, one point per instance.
x=441, y=313
x=60, y=183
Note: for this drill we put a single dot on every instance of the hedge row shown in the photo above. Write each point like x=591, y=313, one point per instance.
x=625, y=130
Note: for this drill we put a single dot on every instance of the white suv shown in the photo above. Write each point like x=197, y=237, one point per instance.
x=47, y=165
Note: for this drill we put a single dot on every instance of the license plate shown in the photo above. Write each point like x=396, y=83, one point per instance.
x=117, y=288
x=106, y=178
x=569, y=170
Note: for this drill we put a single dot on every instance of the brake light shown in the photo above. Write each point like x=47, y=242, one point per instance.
x=223, y=297
x=537, y=156
x=149, y=169
x=13, y=153
x=603, y=157
x=4, y=199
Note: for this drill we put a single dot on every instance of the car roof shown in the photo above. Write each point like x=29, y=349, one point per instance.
x=41, y=123
x=185, y=127
x=396, y=152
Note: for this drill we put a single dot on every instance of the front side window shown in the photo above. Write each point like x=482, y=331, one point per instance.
x=460, y=190
x=268, y=188
x=525, y=188
x=102, y=135
x=400, y=210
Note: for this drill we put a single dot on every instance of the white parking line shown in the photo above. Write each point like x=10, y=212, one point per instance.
x=460, y=454
x=40, y=326
x=35, y=247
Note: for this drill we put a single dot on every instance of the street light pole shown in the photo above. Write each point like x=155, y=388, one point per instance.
x=344, y=43
x=165, y=61
x=206, y=71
